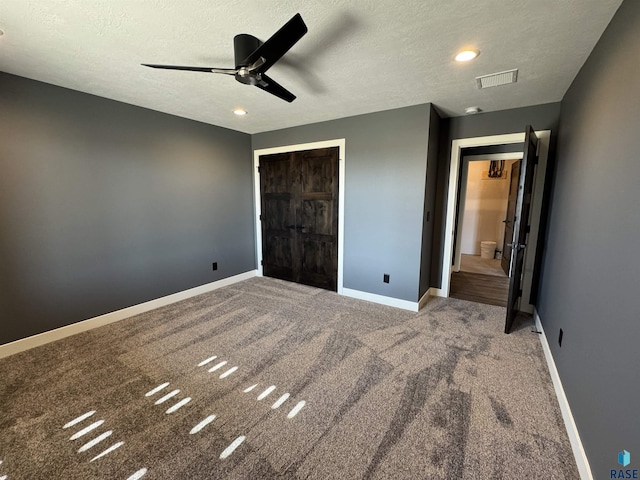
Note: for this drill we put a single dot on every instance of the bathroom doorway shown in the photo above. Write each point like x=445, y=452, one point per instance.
x=496, y=144
x=485, y=185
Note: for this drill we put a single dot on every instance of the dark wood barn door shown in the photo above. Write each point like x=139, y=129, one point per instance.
x=299, y=204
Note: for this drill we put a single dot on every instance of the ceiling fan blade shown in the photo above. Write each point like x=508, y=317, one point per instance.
x=279, y=43
x=257, y=64
x=191, y=69
x=274, y=88
x=225, y=71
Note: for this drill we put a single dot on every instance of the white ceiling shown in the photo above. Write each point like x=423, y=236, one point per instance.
x=359, y=56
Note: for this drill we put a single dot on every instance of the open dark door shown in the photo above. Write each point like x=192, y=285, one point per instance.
x=299, y=203
x=520, y=224
x=508, y=222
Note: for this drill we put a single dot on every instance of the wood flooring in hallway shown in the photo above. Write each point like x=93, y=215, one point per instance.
x=476, y=287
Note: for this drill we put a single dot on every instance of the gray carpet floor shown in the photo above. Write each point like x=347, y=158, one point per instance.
x=305, y=384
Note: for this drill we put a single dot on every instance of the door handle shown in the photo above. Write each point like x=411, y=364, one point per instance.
x=517, y=246
x=296, y=227
x=506, y=222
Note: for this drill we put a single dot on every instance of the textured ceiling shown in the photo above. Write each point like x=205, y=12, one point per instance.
x=359, y=56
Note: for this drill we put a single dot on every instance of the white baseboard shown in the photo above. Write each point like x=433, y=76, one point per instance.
x=63, y=332
x=437, y=292
x=425, y=299
x=574, y=437
x=381, y=299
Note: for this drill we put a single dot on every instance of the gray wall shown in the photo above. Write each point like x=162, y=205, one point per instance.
x=591, y=268
x=429, y=202
x=386, y=162
x=541, y=117
x=105, y=205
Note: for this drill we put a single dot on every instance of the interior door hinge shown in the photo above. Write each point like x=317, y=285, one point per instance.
x=520, y=292
x=258, y=169
x=261, y=262
x=527, y=229
x=260, y=217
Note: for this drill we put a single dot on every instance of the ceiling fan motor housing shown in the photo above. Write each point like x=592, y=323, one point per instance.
x=243, y=46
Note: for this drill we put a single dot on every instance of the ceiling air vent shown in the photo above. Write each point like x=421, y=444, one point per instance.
x=497, y=79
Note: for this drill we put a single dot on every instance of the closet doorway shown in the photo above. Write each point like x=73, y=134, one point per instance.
x=299, y=205
x=299, y=219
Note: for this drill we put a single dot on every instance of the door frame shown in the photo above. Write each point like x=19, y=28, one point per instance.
x=340, y=143
x=452, y=200
x=463, y=200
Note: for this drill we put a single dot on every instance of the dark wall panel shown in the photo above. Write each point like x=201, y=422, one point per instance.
x=591, y=271
x=105, y=205
x=429, y=202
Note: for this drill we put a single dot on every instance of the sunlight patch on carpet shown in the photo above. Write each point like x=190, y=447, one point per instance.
x=202, y=424
x=231, y=448
x=228, y=372
x=107, y=451
x=86, y=430
x=296, y=410
x=280, y=401
x=167, y=396
x=157, y=389
x=179, y=405
x=267, y=392
x=216, y=367
x=139, y=474
x=207, y=360
x=78, y=420
x=95, y=441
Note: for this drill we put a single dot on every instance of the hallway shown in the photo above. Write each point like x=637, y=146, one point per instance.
x=480, y=280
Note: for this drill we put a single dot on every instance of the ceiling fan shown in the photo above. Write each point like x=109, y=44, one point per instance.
x=253, y=58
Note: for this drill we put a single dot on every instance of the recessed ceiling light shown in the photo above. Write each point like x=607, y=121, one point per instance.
x=240, y=111
x=466, y=55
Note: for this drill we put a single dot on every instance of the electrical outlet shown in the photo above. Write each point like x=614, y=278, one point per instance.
x=560, y=337
x=385, y=278
x=215, y=266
